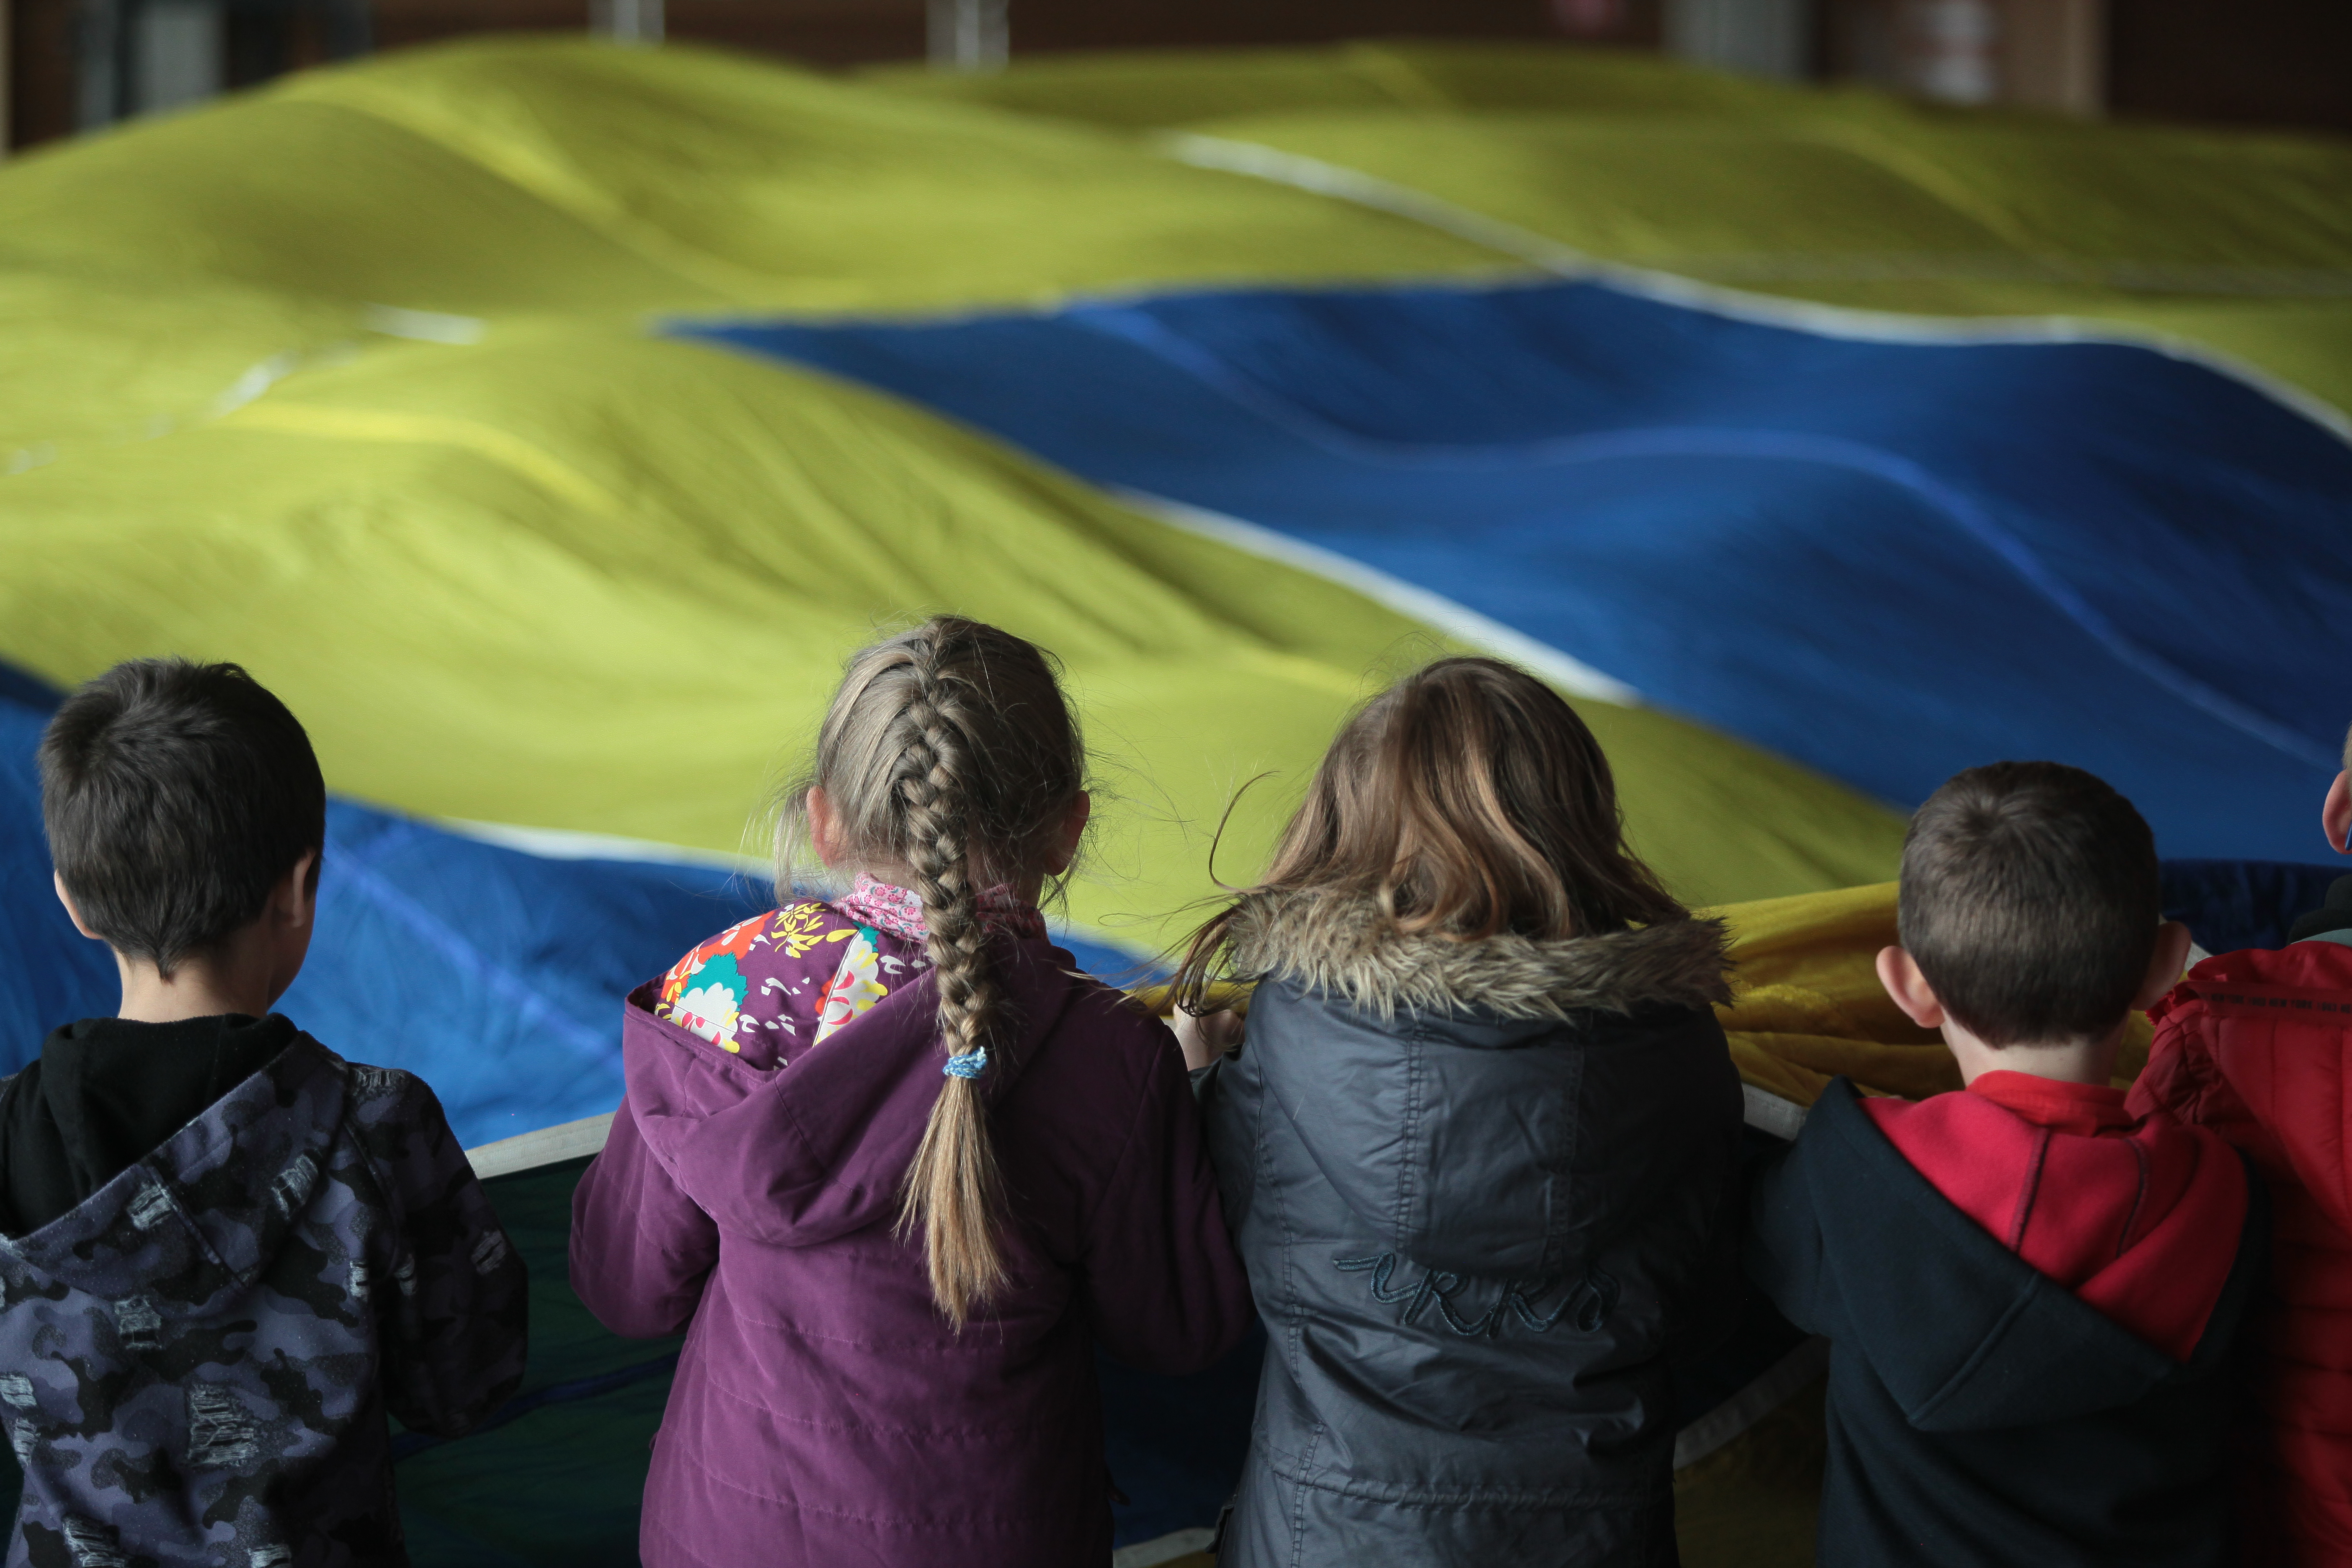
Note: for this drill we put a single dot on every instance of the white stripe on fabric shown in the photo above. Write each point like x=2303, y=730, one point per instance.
x=565, y=844
x=1457, y=621
x=1257, y=161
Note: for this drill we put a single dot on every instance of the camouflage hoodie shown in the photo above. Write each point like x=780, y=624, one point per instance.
x=196, y=1362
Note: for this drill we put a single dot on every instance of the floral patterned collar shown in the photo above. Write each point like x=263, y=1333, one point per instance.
x=899, y=910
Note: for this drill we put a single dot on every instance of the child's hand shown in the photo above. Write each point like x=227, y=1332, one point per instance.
x=1206, y=1037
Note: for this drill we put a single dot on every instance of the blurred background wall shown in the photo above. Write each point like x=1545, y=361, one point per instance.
x=73, y=65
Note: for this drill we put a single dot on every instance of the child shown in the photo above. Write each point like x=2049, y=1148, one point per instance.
x=2258, y=1046
x=230, y=1252
x=1479, y=1148
x=898, y=1169
x=2031, y=1294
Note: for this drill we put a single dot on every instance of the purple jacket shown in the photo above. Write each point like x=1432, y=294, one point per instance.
x=825, y=1413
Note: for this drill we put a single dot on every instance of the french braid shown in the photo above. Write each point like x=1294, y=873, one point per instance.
x=950, y=751
x=952, y=1186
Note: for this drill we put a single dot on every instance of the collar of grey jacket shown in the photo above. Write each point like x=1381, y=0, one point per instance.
x=1344, y=946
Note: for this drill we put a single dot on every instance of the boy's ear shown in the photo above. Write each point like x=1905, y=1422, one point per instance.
x=58, y=882
x=295, y=901
x=1899, y=972
x=2335, y=815
x=2164, y=967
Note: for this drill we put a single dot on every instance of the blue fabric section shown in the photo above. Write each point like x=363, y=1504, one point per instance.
x=1890, y=561
x=494, y=975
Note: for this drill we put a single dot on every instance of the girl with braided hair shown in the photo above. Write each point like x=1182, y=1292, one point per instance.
x=896, y=1169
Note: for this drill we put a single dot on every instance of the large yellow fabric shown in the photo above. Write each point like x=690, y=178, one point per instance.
x=1807, y=1003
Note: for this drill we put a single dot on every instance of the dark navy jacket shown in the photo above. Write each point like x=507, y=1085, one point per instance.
x=1484, y=1211
x=1979, y=1414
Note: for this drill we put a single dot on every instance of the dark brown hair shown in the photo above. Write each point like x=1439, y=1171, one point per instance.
x=175, y=795
x=951, y=751
x=1466, y=800
x=2030, y=901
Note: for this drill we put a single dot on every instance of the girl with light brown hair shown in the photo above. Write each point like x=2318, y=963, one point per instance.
x=1477, y=1147
x=895, y=1168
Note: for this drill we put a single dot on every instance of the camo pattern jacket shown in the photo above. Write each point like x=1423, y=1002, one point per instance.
x=195, y=1364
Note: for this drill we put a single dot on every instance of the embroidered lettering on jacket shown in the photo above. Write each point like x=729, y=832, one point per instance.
x=1586, y=1306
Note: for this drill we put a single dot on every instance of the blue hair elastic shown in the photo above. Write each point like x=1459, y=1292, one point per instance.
x=972, y=1064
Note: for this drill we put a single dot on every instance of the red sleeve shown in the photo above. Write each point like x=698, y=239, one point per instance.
x=641, y=1250
x=1167, y=1291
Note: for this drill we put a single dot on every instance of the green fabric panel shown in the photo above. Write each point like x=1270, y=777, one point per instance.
x=545, y=175
x=560, y=1486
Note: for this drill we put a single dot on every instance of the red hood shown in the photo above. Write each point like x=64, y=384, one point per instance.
x=2140, y=1220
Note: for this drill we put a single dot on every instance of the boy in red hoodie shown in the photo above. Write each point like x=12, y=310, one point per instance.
x=2258, y=1046
x=2031, y=1294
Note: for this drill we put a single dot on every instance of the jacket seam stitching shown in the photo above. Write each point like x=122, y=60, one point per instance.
x=1414, y=1062
x=1298, y=1498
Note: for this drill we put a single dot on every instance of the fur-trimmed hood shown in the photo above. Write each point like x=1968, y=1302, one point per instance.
x=1341, y=945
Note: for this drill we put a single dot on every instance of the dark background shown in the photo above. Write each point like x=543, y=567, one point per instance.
x=2285, y=63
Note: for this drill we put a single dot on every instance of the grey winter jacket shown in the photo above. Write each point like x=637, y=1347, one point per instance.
x=196, y=1362
x=1486, y=1194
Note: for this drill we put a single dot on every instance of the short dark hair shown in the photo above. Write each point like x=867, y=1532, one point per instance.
x=2030, y=901
x=175, y=795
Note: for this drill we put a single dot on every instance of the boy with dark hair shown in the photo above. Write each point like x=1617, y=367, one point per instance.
x=2032, y=1295
x=227, y=1251
x=2257, y=1046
